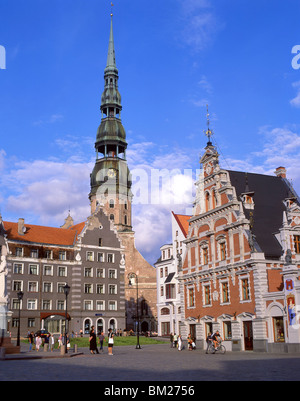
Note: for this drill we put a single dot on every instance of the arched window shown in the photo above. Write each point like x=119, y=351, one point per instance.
x=207, y=201
x=111, y=204
x=112, y=217
x=87, y=326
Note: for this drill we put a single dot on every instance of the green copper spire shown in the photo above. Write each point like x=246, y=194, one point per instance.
x=111, y=56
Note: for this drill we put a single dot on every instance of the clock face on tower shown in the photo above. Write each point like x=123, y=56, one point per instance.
x=112, y=173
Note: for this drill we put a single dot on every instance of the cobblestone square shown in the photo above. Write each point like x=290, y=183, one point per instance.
x=152, y=363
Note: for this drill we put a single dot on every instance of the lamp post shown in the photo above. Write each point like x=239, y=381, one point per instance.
x=66, y=291
x=20, y=297
x=133, y=276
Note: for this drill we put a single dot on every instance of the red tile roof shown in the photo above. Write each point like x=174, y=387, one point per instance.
x=43, y=235
x=183, y=222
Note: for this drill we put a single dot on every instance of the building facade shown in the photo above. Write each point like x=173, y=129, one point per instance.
x=169, y=298
x=42, y=260
x=241, y=267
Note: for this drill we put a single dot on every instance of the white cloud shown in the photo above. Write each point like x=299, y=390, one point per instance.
x=2, y=159
x=296, y=101
x=200, y=24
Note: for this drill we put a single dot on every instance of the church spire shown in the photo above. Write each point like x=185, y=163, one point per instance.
x=111, y=56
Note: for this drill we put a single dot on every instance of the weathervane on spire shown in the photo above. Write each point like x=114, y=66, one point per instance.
x=111, y=13
x=208, y=132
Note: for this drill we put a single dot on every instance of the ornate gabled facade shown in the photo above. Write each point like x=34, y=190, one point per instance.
x=243, y=245
x=111, y=188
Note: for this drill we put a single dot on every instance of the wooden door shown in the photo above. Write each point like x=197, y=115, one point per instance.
x=248, y=336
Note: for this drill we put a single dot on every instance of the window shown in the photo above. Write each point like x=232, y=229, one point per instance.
x=46, y=304
x=112, y=217
x=112, y=305
x=60, y=305
x=161, y=290
x=110, y=258
x=19, y=252
x=112, y=289
x=100, y=289
x=88, y=272
x=33, y=269
x=100, y=242
x=205, y=255
x=60, y=288
x=17, y=286
x=16, y=304
x=88, y=305
x=207, y=297
x=62, y=271
x=88, y=288
x=100, y=273
x=245, y=289
x=227, y=330
x=18, y=268
x=62, y=255
x=112, y=273
x=31, y=322
x=225, y=293
x=161, y=272
x=191, y=300
x=34, y=253
x=48, y=254
x=47, y=287
x=32, y=286
x=100, y=257
x=223, y=250
x=170, y=291
x=31, y=304
x=90, y=256
x=48, y=271
x=100, y=305
x=297, y=243
x=111, y=204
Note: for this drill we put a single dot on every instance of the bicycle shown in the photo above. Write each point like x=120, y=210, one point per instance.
x=220, y=348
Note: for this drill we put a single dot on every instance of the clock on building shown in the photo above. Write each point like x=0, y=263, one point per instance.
x=112, y=173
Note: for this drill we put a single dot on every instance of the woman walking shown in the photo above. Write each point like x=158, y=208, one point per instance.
x=110, y=341
x=93, y=341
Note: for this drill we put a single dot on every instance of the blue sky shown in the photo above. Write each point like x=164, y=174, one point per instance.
x=174, y=57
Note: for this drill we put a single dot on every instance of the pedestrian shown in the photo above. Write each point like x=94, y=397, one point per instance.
x=93, y=341
x=60, y=341
x=46, y=342
x=110, y=341
x=171, y=340
x=38, y=343
x=175, y=338
x=190, y=341
x=101, y=340
x=208, y=342
x=31, y=340
x=179, y=343
x=51, y=342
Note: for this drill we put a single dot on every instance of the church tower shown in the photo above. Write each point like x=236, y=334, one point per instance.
x=110, y=179
x=111, y=188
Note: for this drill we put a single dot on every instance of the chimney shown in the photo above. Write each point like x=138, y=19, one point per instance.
x=21, y=227
x=281, y=172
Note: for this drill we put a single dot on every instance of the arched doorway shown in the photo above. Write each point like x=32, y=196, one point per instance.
x=100, y=326
x=144, y=327
x=87, y=326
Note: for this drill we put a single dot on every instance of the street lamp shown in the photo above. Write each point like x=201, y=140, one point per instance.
x=20, y=297
x=133, y=276
x=66, y=291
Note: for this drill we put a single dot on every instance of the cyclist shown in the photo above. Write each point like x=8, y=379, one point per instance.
x=216, y=338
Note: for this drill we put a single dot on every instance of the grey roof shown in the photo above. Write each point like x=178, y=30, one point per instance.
x=269, y=194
